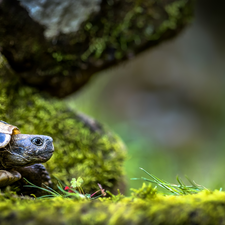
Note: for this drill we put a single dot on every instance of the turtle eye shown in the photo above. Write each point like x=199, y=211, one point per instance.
x=37, y=141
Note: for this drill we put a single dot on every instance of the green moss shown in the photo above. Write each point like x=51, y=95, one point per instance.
x=146, y=192
x=206, y=208
x=125, y=31
x=117, y=33
x=83, y=147
x=175, y=15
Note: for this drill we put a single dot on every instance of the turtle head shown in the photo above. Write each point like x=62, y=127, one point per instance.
x=25, y=149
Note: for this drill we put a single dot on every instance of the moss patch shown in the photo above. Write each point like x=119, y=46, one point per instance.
x=203, y=208
x=115, y=34
x=83, y=147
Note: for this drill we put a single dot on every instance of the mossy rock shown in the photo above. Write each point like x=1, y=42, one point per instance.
x=83, y=147
x=204, y=208
x=118, y=31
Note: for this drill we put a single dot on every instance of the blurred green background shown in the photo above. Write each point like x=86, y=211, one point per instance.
x=167, y=104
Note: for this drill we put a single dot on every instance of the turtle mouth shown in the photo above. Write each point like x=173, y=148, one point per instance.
x=45, y=156
x=41, y=152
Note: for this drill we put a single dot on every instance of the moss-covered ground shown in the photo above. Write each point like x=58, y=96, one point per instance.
x=145, y=206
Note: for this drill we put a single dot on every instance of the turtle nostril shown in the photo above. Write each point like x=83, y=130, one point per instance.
x=50, y=139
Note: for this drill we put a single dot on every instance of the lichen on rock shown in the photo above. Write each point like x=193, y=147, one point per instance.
x=58, y=16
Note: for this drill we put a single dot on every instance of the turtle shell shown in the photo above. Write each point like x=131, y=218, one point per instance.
x=6, y=132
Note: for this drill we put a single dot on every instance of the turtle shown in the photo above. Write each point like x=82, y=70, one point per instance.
x=21, y=155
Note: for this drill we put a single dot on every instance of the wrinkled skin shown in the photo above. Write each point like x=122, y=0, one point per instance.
x=25, y=150
x=21, y=156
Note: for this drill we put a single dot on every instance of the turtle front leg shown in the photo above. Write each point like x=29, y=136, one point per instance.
x=8, y=177
x=36, y=174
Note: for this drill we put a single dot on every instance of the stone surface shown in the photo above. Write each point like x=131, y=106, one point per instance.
x=61, y=16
